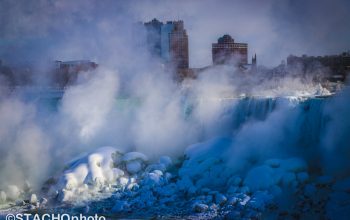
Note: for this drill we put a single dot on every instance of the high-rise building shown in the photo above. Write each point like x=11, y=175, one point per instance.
x=226, y=51
x=179, y=46
x=153, y=29
x=166, y=29
x=169, y=41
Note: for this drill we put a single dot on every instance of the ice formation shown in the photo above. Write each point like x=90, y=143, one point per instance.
x=203, y=183
x=247, y=171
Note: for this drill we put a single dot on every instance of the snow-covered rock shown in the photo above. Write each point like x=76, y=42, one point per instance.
x=153, y=178
x=134, y=166
x=95, y=168
x=156, y=166
x=134, y=161
x=244, y=200
x=131, y=156
x=88, y=174
x=33, y=199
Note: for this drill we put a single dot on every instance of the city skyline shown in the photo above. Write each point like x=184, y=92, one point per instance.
x=273, y=29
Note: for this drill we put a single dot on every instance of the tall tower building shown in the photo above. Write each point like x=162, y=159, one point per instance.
x=166, y=29
x=179, y=46
x=153, y=33
x=169, y=41
x=226, y=51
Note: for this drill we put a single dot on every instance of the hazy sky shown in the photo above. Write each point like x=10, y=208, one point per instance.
x=87, y=29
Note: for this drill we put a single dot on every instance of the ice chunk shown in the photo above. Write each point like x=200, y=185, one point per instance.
x=118, y=172
x=157, y=166
x=66, y=195
x=123, y=181
x=73, y=178
x=134, y=166
x=33, y=199
x=134, y=156
x=245, y=200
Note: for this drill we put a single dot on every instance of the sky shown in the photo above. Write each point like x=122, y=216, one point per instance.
x=96, y=30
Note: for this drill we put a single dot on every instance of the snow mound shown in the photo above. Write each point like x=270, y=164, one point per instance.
x=106, y=171
x=88, y=174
